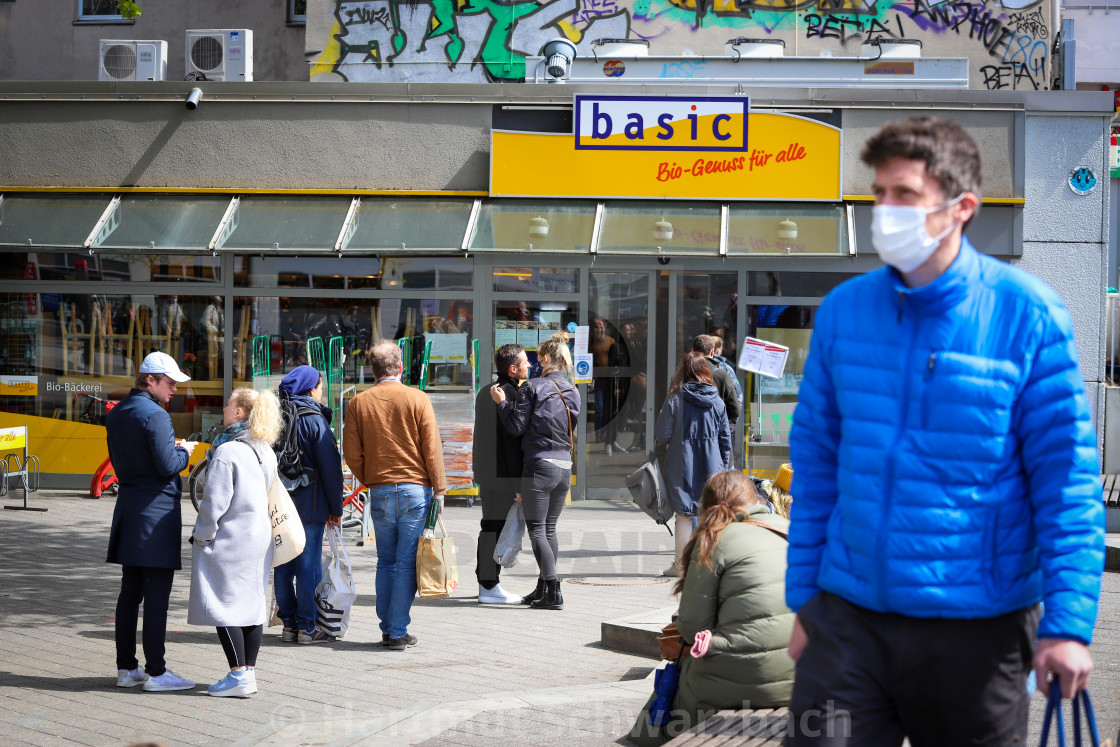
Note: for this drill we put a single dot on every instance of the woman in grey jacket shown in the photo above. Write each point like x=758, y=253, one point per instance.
x=693, y=423
x=544, y=413
x=232, y=537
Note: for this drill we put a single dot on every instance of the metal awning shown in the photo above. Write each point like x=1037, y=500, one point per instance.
x=387, y=225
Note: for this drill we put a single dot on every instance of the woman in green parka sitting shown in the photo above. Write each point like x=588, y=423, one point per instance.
x=732, y=591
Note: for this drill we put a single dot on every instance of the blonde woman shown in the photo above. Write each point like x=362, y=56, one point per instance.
x=232, y=537
x=544, y=412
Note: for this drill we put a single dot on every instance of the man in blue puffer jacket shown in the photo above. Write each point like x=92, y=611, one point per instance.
x=945, y=477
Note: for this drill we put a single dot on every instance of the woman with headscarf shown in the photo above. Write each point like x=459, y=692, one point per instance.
x=317, y=494
x=693, y=424
x=544, y=413
x=232, y=539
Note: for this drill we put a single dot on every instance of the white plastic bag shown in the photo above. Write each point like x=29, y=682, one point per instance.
x=336, y=593
x=509, y=541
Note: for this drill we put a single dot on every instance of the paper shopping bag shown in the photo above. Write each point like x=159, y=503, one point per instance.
x=437, y=574
x=336, y=592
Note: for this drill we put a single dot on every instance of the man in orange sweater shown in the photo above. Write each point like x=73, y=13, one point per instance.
x=391, y=443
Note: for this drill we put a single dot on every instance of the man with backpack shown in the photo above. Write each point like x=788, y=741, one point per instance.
x=311, y=469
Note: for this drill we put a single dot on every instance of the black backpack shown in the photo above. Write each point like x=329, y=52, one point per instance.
x=288, y=461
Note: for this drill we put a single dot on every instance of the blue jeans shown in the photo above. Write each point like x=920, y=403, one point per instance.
x=398, y=513
x=296, y=580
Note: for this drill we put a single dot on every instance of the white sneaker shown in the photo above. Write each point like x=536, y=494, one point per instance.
x=672, y=571
x=166, y=682
x=497, y=595
x=131, y=678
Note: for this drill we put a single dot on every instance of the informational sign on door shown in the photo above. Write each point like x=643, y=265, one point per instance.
x=583, y=368
x=762, y=357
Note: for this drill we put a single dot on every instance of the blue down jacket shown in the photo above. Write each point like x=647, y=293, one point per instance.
x=694, y=424
x=943, y=452
x=321, y=462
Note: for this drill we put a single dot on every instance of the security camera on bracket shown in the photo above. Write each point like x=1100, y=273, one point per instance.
x=559, y=55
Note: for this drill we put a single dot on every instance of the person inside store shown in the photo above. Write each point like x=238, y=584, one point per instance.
x=498, y=464
x=733, y=621
x=145, y=536
x=231, y=545
x=694, y=442
x=317, y=494
x=633, y=411
x=603, y=348
x=948, y=530
x=544, y=413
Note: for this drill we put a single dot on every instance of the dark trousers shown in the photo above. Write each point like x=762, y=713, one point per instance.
x=869, y=679
x=241, y=644
x=496, y=503
x=152, y=586
x=543, y=491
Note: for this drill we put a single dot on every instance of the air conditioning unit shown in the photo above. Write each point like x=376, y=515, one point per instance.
x=220, y=54
x=129, y=59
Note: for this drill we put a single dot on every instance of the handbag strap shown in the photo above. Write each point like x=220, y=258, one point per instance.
x=783, y=534
x=1054, y=712
x=571, y=440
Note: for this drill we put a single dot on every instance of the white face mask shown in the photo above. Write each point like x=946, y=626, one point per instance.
x=899, y=234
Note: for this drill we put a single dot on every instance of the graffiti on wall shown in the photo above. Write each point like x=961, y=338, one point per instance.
x=1007, y=42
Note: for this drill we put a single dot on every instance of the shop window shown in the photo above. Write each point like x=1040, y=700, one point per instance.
x=670, y=228
x=348, y=273
x=528, y=323
x=536, y=279
x=114, y=268
x=75, y=354
x=533, y=225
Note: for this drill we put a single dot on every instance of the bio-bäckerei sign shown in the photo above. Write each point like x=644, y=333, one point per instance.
x=671, y=147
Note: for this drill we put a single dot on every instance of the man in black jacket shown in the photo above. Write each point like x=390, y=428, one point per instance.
x=497, y=465
x=706, y=345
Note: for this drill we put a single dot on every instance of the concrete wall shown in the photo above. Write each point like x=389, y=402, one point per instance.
x=43, y=39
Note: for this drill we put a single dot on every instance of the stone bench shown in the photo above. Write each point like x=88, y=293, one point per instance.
x=747, y=728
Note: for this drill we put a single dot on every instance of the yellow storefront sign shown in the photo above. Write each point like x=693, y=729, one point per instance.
x=19, y=386
x=777, y=157
x=13, y=438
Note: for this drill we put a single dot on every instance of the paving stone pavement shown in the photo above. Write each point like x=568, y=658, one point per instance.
x=481, y=675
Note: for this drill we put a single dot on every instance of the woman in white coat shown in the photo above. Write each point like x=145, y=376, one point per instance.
x=232, y=538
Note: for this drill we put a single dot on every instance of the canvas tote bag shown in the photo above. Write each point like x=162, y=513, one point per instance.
x=288, y=538
x=437, y=574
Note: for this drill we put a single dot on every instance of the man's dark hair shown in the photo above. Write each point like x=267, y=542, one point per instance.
x=704, y=344
x=507, y=356
x=951, y=156
x=142, y=379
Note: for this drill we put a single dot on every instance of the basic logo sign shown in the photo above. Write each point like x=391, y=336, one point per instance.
x=663, y=123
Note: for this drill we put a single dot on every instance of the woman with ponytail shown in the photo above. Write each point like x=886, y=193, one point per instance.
x=232, y=539
x=544, y=413
x=733, y=619
x=694, y=430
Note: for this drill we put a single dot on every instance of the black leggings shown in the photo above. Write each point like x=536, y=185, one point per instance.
x=543, y=492
x=152, y=586
x=241, y=644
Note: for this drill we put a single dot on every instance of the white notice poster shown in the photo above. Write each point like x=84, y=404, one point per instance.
x=455, y=347
x=582, y=335
x=762, y=357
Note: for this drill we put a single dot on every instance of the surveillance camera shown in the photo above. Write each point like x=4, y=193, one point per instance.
x=193, y=98
x=559, y=54
x=663, y=260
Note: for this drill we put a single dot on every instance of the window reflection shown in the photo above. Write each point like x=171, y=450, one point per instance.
x=536, y=279
x=110, y=267
x=349, y=273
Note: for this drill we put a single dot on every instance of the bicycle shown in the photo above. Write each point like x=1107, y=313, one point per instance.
x=105, y=478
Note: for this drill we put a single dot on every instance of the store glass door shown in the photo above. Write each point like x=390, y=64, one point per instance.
x=619, y=421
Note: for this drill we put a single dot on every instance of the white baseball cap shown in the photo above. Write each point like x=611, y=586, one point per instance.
x=162, y=363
